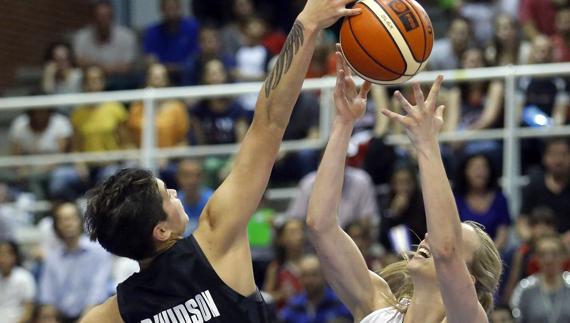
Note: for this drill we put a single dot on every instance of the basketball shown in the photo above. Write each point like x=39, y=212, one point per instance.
x=389, y=42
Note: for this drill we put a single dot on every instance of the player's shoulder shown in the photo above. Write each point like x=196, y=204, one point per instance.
x=107, y=312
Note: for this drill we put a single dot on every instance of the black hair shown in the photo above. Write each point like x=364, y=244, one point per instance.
x=553, y=141
x=542, y=215
x=48, y=55
x=15, y=250
x=123, y=211
x=55, y=208
x=461, y=184
x=280, y=252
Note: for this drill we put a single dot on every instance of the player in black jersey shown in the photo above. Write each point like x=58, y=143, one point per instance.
x=207, y=277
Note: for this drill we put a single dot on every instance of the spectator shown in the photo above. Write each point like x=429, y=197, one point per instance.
x=218, y=120
x=210, y=48
x=318, y=303
x=544, y=297
x=304, y=124
x=480, y=13
x=501, y=314
x=480, y=199
x=18, y=288
x=191, y=191
x=523, y=263
x=102, y=126
x=506, y=46
x=252, y=58
x=172, y=122
x=282, y=277
x=561, y=39
x=358, y=198
x=233, y=36
x=105, y=44
x=40, y=131
x=447, y=52
x=539, y=16
x=550, y=188
x=403, y=208
x=362, y=235
x=172, y=40
x=547, y=95
x=77, y=276
x=60, y=74
x=475, y=106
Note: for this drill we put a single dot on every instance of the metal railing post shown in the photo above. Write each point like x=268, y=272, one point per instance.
x=511, y=149
x=148, y=145
x=326, y=113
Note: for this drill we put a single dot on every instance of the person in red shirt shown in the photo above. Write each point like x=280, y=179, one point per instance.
x=561, y=40
x=538, y=16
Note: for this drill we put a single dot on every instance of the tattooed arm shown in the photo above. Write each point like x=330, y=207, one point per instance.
x=222, y=230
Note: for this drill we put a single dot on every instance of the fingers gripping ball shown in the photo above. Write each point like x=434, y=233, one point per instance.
x=389, y=42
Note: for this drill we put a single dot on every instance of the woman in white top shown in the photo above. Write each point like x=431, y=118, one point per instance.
x=452, y=275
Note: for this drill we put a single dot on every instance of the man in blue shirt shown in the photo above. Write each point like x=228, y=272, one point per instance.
x=77, y=276
x=191, y=193
x=319, y=303
x=174, y=38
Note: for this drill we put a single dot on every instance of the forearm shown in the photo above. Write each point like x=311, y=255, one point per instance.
x=283, y=83
x=326, y=194
x=444, y=226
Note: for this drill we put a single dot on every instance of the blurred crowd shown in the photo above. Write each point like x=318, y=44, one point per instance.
x=51, y=272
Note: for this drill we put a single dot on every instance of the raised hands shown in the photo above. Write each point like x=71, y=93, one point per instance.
x=423, y=121
x=324, y=13
x=350, y=104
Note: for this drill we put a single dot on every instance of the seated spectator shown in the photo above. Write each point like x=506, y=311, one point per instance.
x=252, y=59
x=304, y=124
x=172, y=40
x=447, y=52
x=544, y=297
x=547, y=96
x=358, y=200
x=172, y=122
x=219, y=120
x=105, y=44
x=40, y=131
x=480, y=199
x=501, y=314
x=210, y=48
x=561, y=39
x=191, y=191
x=18, y=287
x=480, y=13
x=476, y=105
x=523, y=262
x=282, y=277
x=539, y=16
x=507, y=46
x=101, y=126
x=233, y=36
x=60, y=75
x=77, y=276
x=318, y=303
x=551, y=189
x=361, y=233
x=403, y=208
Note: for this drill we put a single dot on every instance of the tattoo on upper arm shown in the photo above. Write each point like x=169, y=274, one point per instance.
x=294, y=41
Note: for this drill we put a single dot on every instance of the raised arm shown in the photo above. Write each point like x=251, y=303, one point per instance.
x=342, y=263
x=423, y=124
x=223, y=223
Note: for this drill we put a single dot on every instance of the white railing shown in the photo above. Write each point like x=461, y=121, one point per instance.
x=149, y=153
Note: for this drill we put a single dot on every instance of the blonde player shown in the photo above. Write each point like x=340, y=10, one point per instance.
x=453, y=273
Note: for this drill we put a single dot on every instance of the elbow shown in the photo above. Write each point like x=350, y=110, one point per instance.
x=315, y=226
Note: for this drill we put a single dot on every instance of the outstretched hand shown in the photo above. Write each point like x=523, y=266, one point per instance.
x=324, y=13
x=350, y=104
x=424, y=120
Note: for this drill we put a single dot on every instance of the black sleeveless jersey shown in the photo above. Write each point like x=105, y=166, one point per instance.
x=181, y=286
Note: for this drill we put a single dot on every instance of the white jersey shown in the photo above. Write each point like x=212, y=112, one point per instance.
x=384, y=315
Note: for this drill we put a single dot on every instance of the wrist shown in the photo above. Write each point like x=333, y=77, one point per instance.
x=428, y=148
x=343, y=122
x=309, y=25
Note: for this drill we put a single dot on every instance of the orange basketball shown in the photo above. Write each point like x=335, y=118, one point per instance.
x=389, y=42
